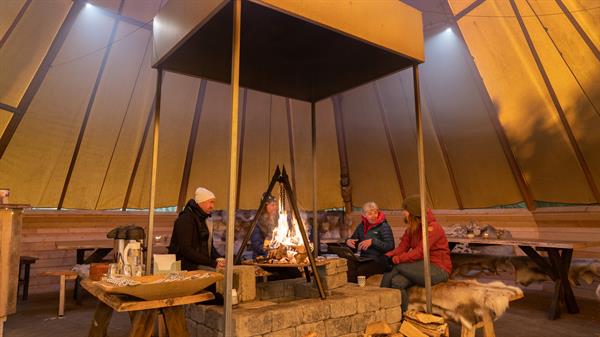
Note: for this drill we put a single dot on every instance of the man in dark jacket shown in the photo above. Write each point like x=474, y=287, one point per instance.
x=373, y=238
x=192, y=237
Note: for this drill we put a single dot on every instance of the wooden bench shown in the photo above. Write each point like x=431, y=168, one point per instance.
x=25, y=263
x=64, y=276
x=492, y=299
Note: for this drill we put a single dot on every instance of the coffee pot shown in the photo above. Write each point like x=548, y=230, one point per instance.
x=128, y=249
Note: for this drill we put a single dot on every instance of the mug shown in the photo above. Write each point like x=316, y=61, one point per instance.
x=362, y=281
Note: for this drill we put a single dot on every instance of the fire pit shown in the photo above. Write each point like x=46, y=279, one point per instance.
x=293, y=308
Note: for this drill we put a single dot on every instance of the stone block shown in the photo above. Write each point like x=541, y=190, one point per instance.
x=338, y=326
x=313, y=310
x=195, y=312
x=192, y=327
x=301, y=290
x=352, y=334
x=286, y=315
x=252, y=322
x=380, y=315
x=271, y=290
x=360, y=321
x=213, y=317
x=204, y=331
x=342, y=306
x=244, y=281
x=367, y=301
x=289, y=332
x=334, y=281
x=393, y=315
x=390, y=297
x=305, y=329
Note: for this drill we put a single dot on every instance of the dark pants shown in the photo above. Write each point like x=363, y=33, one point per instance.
x=367, y=269
x=406, y=275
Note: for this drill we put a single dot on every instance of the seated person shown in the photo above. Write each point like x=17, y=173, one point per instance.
x=264, y=227
x=192, y=241
x=373, y=238
x=407, y=258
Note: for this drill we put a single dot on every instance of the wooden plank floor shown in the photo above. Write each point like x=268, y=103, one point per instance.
x=527, y=317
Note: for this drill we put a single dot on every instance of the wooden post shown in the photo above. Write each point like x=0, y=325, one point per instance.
x=313, y=116
x=233, y=157
x=150, y=232
x=422, y=184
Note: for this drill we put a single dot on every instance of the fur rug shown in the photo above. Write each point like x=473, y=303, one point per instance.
x=466, y=301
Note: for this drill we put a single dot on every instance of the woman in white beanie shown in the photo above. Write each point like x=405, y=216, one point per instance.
x=191, y=241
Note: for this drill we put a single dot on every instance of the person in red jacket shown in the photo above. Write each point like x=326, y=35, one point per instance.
x=407, y=258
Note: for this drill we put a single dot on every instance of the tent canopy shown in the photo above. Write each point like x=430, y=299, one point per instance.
x=306, y=50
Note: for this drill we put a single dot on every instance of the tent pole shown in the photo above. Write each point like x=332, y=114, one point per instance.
x=150, y=232
x=233, y=158
x=421, y=155
x=315, y=230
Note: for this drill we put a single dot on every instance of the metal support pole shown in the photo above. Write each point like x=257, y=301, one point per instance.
x=150, y=232
x=421, y=155
x=315, y=229
x=233, y=158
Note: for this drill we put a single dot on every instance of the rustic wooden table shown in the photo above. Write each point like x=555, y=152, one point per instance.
x=143, y=313
x=556, y=265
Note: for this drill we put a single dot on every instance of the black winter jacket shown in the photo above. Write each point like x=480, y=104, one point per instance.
x=190, y=238
x=383, y=239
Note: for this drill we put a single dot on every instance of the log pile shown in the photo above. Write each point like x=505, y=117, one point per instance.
x=415, y=324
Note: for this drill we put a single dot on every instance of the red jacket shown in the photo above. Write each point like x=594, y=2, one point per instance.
x=410, y=248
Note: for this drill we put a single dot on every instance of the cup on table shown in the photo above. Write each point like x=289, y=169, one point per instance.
x=220, y=263
x=362, y=281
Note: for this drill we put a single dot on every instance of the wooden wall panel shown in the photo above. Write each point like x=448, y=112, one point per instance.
x=41, y=230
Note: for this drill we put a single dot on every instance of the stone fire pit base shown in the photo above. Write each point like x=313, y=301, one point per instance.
x=345, y=312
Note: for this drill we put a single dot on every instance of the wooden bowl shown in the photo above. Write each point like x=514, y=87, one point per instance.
x=156, y=287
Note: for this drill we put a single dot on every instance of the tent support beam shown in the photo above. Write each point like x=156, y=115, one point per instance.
x=388, y=137
x=468, y=9
x=88, y=109
x=150, y=231
x=345, y=184
x=313, y=127
x=138, y=157
x=422, y=182
x=241, y=149
x=290, y=125
x=579, y=29
x=15, y=22
x=515, y=169
x=9, y=108
x=40, y=74
x=189, y=157
x=233, y=159
x=559, y=110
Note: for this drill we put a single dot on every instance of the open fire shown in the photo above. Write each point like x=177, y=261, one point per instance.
x=286, y=245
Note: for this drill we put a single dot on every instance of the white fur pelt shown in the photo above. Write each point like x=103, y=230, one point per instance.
x=586, y=271
x=465, y=301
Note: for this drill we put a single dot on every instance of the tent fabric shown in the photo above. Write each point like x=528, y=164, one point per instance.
x=477, y=72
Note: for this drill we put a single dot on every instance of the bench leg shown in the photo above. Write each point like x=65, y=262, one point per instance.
x=162, y=328
x=175, y=321
x=142, y=324
x=100, y=321
x=61, y=300
x=488, y=325
x=466, y=332
x=2, y=319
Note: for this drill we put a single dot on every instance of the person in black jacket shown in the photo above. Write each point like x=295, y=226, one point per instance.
x=191, y=241
x=373, y=238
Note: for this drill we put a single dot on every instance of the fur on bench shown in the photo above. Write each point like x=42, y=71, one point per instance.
x=465, y=301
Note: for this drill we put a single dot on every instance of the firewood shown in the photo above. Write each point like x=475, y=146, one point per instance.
x=424, y=317
x=409, y=329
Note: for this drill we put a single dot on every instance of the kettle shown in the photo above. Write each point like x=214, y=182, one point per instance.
x=128, y=242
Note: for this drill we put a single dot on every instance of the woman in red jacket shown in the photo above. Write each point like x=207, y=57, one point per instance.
x=407, y=258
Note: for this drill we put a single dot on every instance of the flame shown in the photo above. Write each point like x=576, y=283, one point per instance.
x=283, y=234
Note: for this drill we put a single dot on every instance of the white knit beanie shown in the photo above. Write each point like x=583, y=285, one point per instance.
x=202, y=194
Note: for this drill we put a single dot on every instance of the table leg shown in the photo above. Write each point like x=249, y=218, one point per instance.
x=142, y=324
x=79, y=260
x=175, y=321
x=101, y=319
x=563, y=262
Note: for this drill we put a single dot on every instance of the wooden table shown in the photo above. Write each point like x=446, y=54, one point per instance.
x=143, y=313
x=556, y=265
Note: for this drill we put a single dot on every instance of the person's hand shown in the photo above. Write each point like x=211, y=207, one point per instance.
x=221, y=263
x=351, y=243
x=396, y=259
x=365, y=244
